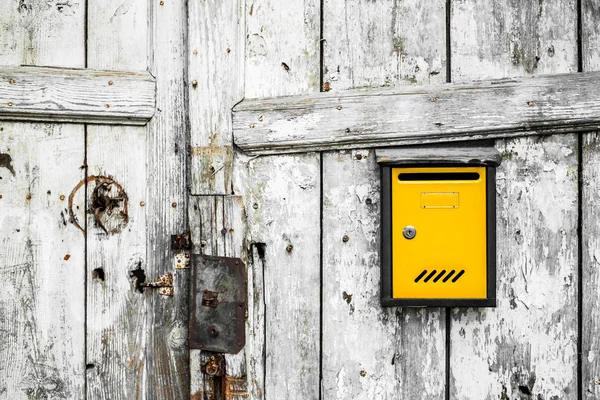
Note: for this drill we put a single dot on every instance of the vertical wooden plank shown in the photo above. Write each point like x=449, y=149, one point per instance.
x=167, y=374
x=370, y=352
x=284, y=217
x=117, y=311
x=282, y=197
x=43, y=255
x=495, y=39
x=215, y=85
x=590, y=256
x=527, y=346
x=42, y=300
x=383, y=43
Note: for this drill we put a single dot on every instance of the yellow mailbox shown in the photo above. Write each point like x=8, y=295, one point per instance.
x=438, y=226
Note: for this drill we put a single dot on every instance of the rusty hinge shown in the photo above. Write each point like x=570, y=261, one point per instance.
x=215, y=366
x=164, y=284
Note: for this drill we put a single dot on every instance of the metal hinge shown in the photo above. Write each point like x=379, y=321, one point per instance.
x=164, y=284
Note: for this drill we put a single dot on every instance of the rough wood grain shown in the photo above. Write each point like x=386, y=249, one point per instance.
x=369, y=352
x=283, y=215
x=42, y=264
x=50, y=33
x=590, y=256
x=527, y=346
x=217, y=224
x=443, y=113
x=496, y=39
x=282, y=58
x=167, y=374
x=117, y=310
x=383, y=43
x=215, y=85
x=76, y=95
x=282, y=48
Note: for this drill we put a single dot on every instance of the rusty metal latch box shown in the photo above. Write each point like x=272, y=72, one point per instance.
x=438, y=226
x=218, y=299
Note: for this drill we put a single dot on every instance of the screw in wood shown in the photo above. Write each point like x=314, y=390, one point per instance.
x=345, y=238
x=289, y=248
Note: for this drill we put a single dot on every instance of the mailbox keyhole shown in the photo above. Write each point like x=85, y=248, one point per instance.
x=409, y=232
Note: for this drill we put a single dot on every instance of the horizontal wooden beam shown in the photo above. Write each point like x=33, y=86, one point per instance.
x=416, y=115
x=76, y=95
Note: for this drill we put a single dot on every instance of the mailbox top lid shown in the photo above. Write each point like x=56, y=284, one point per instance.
x=450, y=155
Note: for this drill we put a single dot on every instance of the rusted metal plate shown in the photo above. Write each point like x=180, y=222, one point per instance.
x=218, y=304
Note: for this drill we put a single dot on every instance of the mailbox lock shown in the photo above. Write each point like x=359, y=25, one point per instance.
x=409, y=232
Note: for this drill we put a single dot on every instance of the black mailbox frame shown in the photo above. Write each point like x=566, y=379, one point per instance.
x=487, y=157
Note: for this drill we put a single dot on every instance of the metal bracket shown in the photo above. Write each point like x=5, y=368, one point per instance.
x=164, y=284
x=215, y=366
x=218, y=304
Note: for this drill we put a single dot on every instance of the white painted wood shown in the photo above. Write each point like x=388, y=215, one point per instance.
x=383, y=43
x=375, y=118
x=216, y=41
x=283, y=214
x=590, y=159
x=282, y=58
x=49, y=33
x=117, y=313
x=76, y=95
x=439, y=155
x=527, y=346
x=369, y=352
x=492, y=39
x=282, y=48
x=167, y=374
x=42, y=264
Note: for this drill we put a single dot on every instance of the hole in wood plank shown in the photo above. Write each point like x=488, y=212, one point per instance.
x=138, y=277
x=98, y=274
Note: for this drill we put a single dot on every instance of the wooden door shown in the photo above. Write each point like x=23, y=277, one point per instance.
x=87, y=210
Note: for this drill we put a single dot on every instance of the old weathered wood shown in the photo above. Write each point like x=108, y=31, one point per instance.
x=370, y=352
x=76, y=95
x=217, y=224
x=527, y=346
x=590, y=254
x=48, y=33
x=117, y=312
x=167, y=374
x=590, y=207
x=492, y=39
x=376, y=118
x=283, y=217
x=215, y=84
x=42, y=262
x=439, y=155
x=282, y=58
x=383, y=43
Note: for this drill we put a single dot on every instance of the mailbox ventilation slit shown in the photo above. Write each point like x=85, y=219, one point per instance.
x=430, y=276
x=437, y=278
x=457, y=277
x=418, y=278
x=448, y=276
